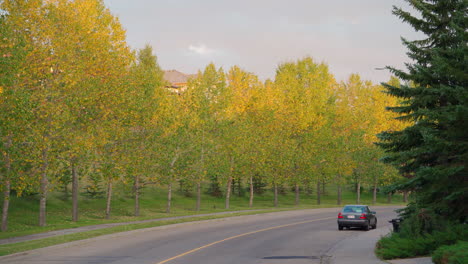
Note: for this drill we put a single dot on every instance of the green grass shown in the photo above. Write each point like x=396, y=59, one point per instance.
x=23, y=215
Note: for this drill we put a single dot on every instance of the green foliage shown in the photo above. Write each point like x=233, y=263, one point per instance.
x=237, y=188
x=405, y=245
x=259, y=186
x=214, y=188
x=420, y=221
x=186, y=187
x=433, y=152
x=453, y=254
x=94, y=188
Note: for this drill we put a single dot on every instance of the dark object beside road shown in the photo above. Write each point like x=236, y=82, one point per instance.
x=396, y=224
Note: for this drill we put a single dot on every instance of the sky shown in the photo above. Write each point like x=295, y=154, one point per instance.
x=350, y=36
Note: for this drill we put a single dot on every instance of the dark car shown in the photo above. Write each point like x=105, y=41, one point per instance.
x=357, y=216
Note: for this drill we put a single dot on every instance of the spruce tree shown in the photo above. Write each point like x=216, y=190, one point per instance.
x=432, y=152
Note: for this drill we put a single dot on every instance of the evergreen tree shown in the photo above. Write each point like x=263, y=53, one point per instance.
x=432, y=152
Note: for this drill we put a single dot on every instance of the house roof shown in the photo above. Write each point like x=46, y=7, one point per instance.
x=174, y=76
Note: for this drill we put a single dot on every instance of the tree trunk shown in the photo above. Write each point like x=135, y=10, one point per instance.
x=109, y=197
x=169, y=198
x=6, y=186
x=405, y=196
x=276, y=194
x=201, y=172
x=296, y=187
x=389, y=197
x=198, y=196
x=43, y=189
x=239, y=187
x=318, y=192
x=358, y=192
x=75, y=189
x=229, y=183
x=338, y=202
x=251, y=187
x=228, y=192
x=169, y=187
x=374, y=193
x=137, y=195
x=323, y=187
x=6, y=204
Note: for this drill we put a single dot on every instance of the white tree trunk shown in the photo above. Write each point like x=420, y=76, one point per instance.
x=75, y=189
x=43, y=189
x=109, y=198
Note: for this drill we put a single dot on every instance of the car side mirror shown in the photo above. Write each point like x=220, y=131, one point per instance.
x=373, y=212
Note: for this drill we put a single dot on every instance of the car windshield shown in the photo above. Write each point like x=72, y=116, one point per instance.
x=353, y=209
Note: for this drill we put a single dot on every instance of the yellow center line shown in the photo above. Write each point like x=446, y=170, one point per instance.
x=241, y=235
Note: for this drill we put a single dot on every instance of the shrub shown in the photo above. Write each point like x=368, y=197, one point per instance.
x=214, y=189
x=259, y=185
x=186, y=188
x=422, y=221
x=406, y=244
x=453, y=254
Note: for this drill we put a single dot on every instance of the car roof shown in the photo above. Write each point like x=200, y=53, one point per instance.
x=355, y=205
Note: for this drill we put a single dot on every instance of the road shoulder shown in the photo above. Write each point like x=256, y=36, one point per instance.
x=358, y=249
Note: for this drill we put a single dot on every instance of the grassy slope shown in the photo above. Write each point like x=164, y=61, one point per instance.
x=24, y=211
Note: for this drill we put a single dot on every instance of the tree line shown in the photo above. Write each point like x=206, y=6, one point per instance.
x=79, y=107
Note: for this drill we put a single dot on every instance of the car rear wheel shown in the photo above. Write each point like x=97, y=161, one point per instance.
x=340, y=227
x=367, y=227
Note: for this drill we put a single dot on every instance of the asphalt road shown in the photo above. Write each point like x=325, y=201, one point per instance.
x=304, y=236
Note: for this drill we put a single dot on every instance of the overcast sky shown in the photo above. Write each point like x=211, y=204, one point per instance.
x=351, y=36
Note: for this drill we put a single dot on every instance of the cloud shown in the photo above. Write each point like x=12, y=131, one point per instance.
x=201, y=49
x=355, y=21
